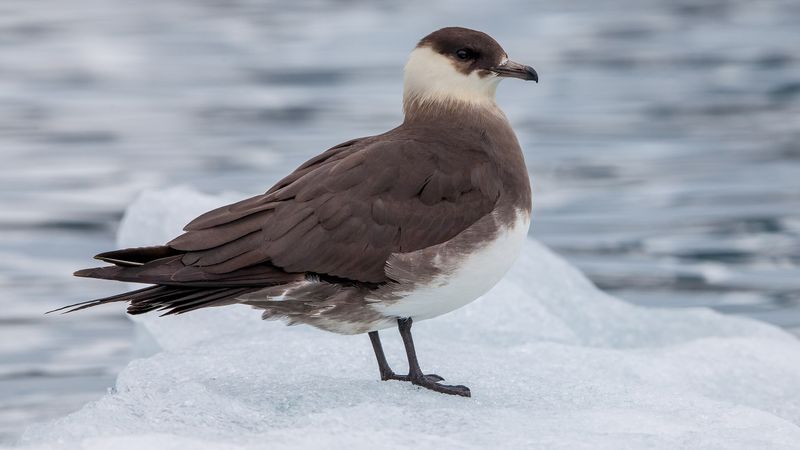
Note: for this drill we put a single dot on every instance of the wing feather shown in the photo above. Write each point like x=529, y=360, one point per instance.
x=342, y=213
x=345, y=212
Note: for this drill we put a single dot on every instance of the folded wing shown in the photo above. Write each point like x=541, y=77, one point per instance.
x=340, y=214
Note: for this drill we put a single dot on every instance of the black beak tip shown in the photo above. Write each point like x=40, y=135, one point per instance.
x=532, y=75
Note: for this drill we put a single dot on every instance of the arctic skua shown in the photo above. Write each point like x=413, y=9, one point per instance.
x=375, y=232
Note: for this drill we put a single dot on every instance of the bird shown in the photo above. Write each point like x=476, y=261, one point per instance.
x=374, y=233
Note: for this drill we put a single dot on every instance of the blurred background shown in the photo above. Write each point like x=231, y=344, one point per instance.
x=663, y=142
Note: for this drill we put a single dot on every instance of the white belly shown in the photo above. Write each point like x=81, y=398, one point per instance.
x=471, y=278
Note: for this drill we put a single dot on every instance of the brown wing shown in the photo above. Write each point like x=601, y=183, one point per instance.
x=344, y=212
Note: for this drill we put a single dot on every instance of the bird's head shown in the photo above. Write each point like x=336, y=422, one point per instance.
x=458, y=65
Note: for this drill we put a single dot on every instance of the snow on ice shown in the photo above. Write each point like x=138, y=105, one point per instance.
x=552, y=363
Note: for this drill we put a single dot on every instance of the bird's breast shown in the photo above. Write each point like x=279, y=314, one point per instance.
x=445, y=277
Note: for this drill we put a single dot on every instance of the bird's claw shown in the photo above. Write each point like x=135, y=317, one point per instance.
x=430, y=381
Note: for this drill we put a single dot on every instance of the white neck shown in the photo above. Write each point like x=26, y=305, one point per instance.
x=431, y=78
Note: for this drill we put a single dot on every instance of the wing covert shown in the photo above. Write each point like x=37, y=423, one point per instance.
x=346, y=211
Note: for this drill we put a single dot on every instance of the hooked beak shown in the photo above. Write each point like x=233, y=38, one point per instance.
x=513, y=69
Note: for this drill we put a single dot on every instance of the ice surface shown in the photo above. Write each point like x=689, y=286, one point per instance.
x=552, y=363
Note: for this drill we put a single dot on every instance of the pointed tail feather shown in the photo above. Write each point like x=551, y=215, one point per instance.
x=173, y=300
x=124, y=297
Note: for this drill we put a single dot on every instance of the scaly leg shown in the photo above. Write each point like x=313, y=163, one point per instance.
x=415, y=375
x=383, y=365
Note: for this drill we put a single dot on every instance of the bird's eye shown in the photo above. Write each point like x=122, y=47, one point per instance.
x=465, y=54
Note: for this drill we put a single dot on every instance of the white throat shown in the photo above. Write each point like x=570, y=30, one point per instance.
x=432, y=78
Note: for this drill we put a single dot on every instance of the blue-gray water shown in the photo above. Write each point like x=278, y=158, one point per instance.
x=663, y=140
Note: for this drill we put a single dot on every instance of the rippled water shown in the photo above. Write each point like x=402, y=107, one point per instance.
x=663, y=140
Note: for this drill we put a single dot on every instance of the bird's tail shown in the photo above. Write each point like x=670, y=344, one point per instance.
x=170, y=299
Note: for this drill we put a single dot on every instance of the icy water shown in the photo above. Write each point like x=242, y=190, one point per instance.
x=663, y=142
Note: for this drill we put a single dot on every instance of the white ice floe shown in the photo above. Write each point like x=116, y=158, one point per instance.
x=552, y=362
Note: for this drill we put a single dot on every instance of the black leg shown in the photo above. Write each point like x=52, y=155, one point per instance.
x=415, y=375
x=383, y=365
x=414, y=371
